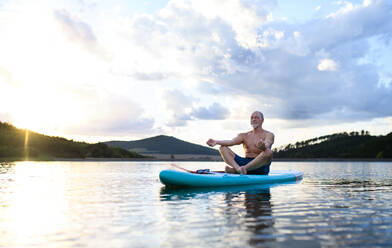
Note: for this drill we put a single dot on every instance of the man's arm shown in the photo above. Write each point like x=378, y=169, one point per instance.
x=266, y=143
x=269, y=141
x=236, y=141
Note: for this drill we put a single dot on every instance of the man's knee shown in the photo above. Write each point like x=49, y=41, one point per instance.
x=226, y=150
x=223, y=148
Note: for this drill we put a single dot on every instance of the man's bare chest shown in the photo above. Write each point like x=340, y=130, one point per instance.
x=251, y=139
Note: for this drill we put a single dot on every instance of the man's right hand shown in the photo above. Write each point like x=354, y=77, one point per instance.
x=261, y=144
x=211, y=142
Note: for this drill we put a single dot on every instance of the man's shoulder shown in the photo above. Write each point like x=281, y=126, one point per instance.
x=252, y=133
x=245, y=133
x=268, y=132
x=243, y=136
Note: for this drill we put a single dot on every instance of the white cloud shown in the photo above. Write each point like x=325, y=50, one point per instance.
x=178, y=105
x=184, y=108
x=107, y=113
x=75, y=29
x=245, y=17
x=79, y=32
x=327, y=65
x=6, y=117
x=348, y=6
x=283, y=66
x=193, y=61
x=292, y=80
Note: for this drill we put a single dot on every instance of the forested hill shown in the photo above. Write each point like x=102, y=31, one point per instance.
x=163, y=145
x=16, y=144
x=357, y=145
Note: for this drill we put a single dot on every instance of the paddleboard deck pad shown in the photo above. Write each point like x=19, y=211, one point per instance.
x=217, y=179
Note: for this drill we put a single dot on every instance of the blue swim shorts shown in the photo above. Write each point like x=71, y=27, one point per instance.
x=263, y=170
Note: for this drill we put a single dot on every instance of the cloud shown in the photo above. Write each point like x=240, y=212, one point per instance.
x=214, y=112
x=123, y=126
x=327, y=65
x=210, y=88
x=177, y=101
x=204, y=54
x=298, y=71
x=184, y=108
x=75, y=29
x=149, y=76
x=192, y=39
x=178, y=104
x=6, y=117
x=108, y=114
x=79, y=32
x=304, y=71
x=244, y=17
x=350, y=24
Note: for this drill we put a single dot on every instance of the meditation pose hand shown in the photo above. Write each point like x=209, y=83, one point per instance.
x=211, y=142
x=261, y=144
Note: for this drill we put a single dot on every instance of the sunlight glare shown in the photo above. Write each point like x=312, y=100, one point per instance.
x=26, y=145
x=48, y=71
x=37, y=204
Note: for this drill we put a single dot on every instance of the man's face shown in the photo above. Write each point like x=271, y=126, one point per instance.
x=256, y=120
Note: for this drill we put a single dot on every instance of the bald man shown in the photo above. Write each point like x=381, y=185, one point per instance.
x=257, y=145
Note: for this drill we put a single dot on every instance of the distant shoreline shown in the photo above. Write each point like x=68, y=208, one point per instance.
x=331, y=160
x=198, y=159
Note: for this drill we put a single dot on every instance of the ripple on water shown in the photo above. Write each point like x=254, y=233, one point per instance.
x=124, y=205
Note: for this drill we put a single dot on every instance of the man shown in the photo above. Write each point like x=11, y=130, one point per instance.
x=257, y=146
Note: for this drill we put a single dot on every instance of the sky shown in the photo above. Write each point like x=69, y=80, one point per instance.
x=94, y=70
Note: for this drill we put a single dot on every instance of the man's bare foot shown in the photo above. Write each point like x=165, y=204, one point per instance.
x=228, y=169
x=243, y=170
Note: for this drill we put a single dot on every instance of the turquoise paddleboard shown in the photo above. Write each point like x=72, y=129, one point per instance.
x=213, y=179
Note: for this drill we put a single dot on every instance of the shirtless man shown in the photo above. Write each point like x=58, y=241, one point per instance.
x=257, y=145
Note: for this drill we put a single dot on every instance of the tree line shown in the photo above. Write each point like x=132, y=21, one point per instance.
x=359, y=145
x=21, y=144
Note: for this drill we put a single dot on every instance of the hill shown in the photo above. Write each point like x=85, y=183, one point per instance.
x=16, y=144
x=163, y=145
x=340, y=145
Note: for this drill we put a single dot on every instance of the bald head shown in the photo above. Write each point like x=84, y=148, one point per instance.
x=260, y=114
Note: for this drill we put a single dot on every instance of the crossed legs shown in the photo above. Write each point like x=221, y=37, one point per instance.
x=228, y=156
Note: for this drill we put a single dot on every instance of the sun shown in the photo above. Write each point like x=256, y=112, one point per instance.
x=38, y=111
x=41, y=72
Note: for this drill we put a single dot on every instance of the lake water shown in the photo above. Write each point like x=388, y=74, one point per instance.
x=123, y=204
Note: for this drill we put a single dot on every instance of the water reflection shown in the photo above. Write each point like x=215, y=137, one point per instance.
x=6, y=167
x=256, y=213
x=169, y=193
x=259, y=216
x=122, y=204
x=251, y=203
x=31, y=196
